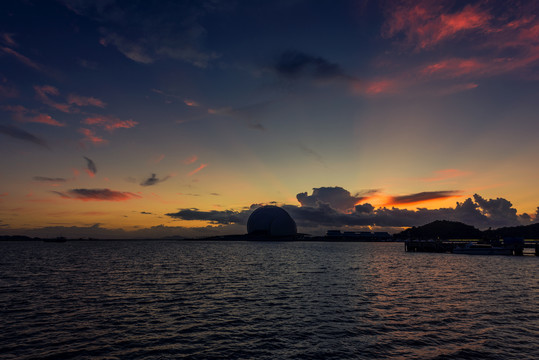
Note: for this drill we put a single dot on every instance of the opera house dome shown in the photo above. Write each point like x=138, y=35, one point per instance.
x=271, y=221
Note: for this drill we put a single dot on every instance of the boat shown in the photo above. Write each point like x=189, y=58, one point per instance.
x=481, y=249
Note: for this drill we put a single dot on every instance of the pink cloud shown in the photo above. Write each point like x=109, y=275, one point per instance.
x=90, y=136
x=43, y=93
x=110, y=123
x=85, y=101
x=189, y=102
x=97, y=195
x=22, y=114
x=202, y=166
x=428, y=23
x=190, y=160
x=383, y=86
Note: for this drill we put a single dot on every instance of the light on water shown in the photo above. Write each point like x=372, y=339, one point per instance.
x=263, y=300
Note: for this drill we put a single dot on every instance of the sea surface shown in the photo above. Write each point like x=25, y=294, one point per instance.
x=263, y=300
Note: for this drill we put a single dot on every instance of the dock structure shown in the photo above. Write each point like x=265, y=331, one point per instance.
x=514, y=245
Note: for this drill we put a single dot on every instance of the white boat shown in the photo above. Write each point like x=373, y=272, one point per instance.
x=481, y=249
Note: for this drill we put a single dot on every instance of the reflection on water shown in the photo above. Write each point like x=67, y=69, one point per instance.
x=268, y=300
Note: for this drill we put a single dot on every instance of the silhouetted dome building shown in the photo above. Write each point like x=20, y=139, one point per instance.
x=272, y=221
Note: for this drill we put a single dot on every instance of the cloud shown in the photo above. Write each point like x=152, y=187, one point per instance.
x=97, y=195
x=336, y=197
x=90, y=136
x=146, y=213
x=498, y=210
x=90, y=166
x=202, y=166
x=109, y=123
x=310, y=152
x=428, y=23
x=147, y=33
x=247, y=114
x=153, y=180
x=22, y=114
x=422, y=197
x=48, y=179
x=492, y=38
x=216, y=217
x=23, y=59
x=8, y=39
x=44, y=92
x=190, y=160
x=85, y=101
x=190, y=102
x=316, y=215
x=20, y=134
x=295, y=65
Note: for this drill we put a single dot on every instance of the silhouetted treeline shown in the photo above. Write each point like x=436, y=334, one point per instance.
x=443, y=229
x=526, y=232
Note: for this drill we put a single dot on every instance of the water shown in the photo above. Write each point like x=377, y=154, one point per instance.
x=263, y=300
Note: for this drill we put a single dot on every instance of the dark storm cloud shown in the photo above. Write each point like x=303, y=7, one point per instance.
x=423, y=196
x=152, y=180
x=97, y=195
x=336, y=197
x=22, y=135
x=48, y=179
x=90, y=165
x=295, y=64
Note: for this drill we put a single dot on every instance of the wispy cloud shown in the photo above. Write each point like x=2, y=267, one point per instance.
x=91, y=168
x=44, y=93
x=48, y=179
x=20, y=134
x=153, y=180
x=97, y=195
x=85, y=101
x=249, y=115
x=202, y=166
x=423, y=196
x=190, y=160
x=91, y=137
x=427, y=23
x=23, y=59
x=109, y=123
x=22, y=114
x=174, y=32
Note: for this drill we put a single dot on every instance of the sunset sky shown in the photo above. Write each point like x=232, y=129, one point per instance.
x=160, y=118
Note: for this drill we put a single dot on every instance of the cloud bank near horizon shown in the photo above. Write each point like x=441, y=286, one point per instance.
x=333, y=207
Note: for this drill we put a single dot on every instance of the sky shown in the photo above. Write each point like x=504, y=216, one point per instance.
x=179, y=118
